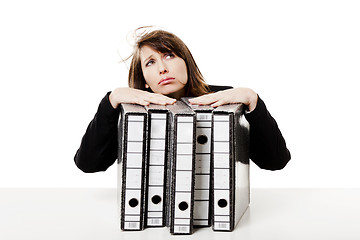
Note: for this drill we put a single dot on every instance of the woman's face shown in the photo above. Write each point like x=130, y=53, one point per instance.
x=165, y=73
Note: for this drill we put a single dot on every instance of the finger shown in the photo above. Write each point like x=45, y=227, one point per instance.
x=168, y=100
x=196, y=99
x=143, y=102
x=159, y=99
x=204, y=100
x=219, y=103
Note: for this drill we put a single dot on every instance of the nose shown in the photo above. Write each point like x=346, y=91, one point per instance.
x=162, y=67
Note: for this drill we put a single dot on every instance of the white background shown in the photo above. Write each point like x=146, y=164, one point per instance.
x=59, y=58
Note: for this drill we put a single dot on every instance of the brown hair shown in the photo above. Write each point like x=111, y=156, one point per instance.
x=165, y=42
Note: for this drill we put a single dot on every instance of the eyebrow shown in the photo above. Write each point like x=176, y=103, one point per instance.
x=147, y=58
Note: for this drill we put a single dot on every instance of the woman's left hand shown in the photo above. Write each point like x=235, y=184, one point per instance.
x=235, y=95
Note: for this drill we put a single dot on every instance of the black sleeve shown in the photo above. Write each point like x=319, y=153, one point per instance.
x=98, y=149
x=267, y=146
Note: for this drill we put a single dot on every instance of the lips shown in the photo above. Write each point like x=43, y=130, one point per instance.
x=166, y=80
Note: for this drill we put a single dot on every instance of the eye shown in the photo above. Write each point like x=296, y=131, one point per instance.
x=169, y=55
x=149, y=63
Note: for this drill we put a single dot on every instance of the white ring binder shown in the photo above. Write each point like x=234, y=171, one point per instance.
x=183, y=166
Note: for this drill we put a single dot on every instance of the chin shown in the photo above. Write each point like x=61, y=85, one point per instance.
x=169, y=91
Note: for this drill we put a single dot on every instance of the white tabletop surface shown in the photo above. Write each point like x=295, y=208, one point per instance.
x=92, y=214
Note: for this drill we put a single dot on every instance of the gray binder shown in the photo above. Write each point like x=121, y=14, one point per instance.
x=131, y=166
x=230, y=168
x=182, y=168
x=203, y=156
x=157, y=149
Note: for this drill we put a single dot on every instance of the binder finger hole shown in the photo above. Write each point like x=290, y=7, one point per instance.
x=183, y=206
x=133, y=202
x=202, y=139
x=222, y=203
x=156, y=199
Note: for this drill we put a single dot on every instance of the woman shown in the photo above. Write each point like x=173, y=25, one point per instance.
x=162, y=71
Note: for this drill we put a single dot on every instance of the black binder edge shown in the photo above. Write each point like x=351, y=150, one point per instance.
x=204, y=109
x=174, y=113
x=122, y=150
x=166, y=166
x=239, y=152
x=173, y=182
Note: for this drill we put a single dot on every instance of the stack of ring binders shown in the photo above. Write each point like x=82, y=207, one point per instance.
x=182, y=166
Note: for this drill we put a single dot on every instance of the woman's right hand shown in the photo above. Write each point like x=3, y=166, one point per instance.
x=132, y=95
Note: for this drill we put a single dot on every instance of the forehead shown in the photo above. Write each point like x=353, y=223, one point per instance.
x=146, y=51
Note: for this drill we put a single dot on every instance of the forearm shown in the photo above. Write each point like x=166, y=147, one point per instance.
x=267, y=146
x=98, y=149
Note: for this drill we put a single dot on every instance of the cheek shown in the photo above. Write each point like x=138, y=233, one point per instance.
x=185, y=76
x=182, y=70
x=149, y=76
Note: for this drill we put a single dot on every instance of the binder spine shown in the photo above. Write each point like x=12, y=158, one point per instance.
x=183, y=176
x=241, y=149
x=223, y=173
x=157, y=165
x=202, y=169
x=134, y=153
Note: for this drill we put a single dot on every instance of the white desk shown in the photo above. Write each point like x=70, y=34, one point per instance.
x=91, y=214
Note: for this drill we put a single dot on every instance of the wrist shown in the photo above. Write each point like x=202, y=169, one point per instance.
x=112, y=101
x=252, y=100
